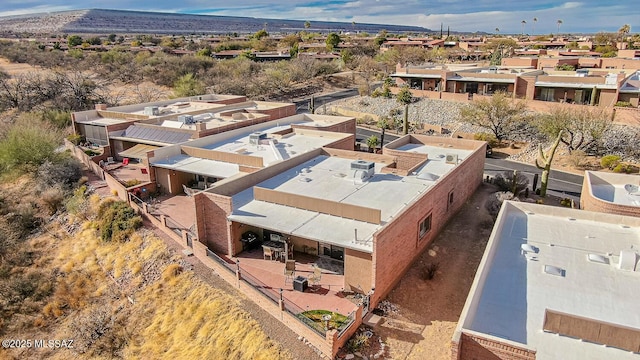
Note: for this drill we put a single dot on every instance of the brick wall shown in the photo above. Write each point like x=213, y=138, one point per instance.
x=211, y=221
x=357, y=270
x=473, y=346
x=396, y=245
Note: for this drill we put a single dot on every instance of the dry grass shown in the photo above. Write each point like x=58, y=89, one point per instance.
x=133, y=300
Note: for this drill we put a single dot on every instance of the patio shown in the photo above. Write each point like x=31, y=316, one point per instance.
x=180, y=209
x=128, y=172
x=327, y=295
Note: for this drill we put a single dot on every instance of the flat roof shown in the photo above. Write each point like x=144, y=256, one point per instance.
x=205, y=167
x=331, y=178
x=511, y=290
x=103, y=121
x=564, y=84
x=612, y=187
x=274, y=148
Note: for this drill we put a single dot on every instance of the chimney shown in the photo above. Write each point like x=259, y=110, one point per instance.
x=201, y=126
x=101, y=107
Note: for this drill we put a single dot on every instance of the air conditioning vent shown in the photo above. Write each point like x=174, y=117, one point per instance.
x=451, y=159
x=186, y=119
x=151, y=111
x=254, y=138
x=365, y=169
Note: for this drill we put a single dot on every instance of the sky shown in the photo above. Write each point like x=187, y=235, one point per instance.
x=460, y=15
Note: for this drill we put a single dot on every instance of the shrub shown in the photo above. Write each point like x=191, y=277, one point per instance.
x=623, y=104
x=610, y=161
x=132, y=182
x=53, y=198
x=577, y=158
x=566, y=202
x=508, y=182
x=75, y=139
x=430, y=271
x=625, y=168
x=90, y=152
x=117, y=221
x=489, y=138
x=357, y=343
x=64, y=172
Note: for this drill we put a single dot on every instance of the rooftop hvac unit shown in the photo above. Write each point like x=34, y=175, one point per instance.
x=582, y=72
x=451, y=159
x=366, y=168
x=493, y=70
x=628, y=260
x=186, y=119
x=151, y=111
x=254, y=138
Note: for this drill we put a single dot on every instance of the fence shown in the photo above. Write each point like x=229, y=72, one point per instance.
x=225, y=264
x=298, y=313
x=269, y=292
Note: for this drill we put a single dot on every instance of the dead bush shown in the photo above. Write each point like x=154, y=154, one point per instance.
x=53, y=199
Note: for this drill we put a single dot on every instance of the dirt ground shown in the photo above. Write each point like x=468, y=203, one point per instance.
x=422, y=314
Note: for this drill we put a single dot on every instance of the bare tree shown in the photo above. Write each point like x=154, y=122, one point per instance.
x=582, y=128
x=500, y=114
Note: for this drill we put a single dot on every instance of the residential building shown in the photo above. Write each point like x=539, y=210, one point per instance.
x=611, y=193
x=554, y=283
x=336, y=203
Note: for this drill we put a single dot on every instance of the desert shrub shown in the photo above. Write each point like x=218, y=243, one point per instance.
x=53, y=198
x=77, y=203
x=64, y=172
x=430, y=271
x=29, y=142
x=508, y=181
x=623, y=104
x=132, y=182
x=75, y=139
x=117, y=221
x=489, y=138
x=376, y=93
x=90, y=152
x=578, y=158
x=357, y=343
x=566, y=202
x=60, y=119
x=610, y=161
x=625, y=168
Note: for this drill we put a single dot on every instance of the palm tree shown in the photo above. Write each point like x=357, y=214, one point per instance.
x=559, y=22
x=523, y=22
x=372, y=143
x=535, y=20
x=624, y=31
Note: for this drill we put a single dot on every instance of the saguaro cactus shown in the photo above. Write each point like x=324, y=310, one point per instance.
x=546, y=163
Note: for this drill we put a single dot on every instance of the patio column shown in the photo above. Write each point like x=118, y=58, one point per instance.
x=281, y=301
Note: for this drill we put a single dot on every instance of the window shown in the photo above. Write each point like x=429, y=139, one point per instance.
x=450, y=200
x=425, y=226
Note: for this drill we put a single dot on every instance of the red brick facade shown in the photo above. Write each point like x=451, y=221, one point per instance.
x=475, y=347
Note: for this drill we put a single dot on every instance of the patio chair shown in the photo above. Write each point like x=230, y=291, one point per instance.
x=144, y=171
x=267, y=251
x=125, y=161
x=314, y=279
x=289, y=271
x=290, y=251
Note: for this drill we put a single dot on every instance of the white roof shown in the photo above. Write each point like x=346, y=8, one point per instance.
x=273, y=151
x=198, y=166
x=611, y=187
x=330, y=178
x=103, y=121
x=510, y=293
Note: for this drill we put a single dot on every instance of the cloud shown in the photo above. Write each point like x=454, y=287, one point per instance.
x=459, y=15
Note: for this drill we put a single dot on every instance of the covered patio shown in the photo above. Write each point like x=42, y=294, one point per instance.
x=268, y=275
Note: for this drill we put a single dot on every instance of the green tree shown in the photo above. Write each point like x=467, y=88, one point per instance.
x=74, y=40
x=500, y=114
x=307, y=24
x=383, y=124
x=112, y=38
x=260, y=34
x=332, y=41
x=372, y=143
x=499, y=48
x=188, y=85
x=405, y=98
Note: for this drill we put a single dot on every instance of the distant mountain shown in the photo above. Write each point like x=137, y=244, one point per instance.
x=100, y=21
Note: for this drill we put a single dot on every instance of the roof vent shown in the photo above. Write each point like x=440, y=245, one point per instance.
x=628, y=259
x=254, y=138
x=529, y=248
x=554, y=270
x=598, y=259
